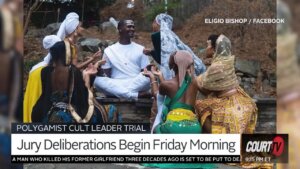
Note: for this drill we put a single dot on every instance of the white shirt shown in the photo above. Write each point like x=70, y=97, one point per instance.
x=125, y=61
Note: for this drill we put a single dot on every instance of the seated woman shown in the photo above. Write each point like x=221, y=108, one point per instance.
x=227, y=108
x=69, y=30
x=66, y=97
x=178, y=113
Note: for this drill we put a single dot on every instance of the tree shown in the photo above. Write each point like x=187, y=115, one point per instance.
x=31, y=6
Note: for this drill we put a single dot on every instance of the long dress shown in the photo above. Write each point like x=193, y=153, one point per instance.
x=34, y=89
x=79, y=100
x=179, y=118
x=232, y=112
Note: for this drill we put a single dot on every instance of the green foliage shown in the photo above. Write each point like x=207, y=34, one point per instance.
x=157, y=8
x=28, y=64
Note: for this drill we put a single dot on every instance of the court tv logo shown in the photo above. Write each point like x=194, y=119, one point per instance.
x=265, y=148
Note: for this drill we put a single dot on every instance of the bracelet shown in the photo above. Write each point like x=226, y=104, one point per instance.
x=153, y=82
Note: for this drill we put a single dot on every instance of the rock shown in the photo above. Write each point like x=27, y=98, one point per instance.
x=36, y=33
x=246, y=79
x=52, y=28
x=83, y=54
x=252, y=80
x=266, y=82
x=110, y=42
x=108, y=27
x=273, y=55
x=249, y=67
x=273, y=80
x=248, y=89
x=90, y=44
x=239, y=79
x=240, y=74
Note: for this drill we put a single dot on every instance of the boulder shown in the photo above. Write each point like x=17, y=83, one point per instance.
x=108, y=27
x=273, y=80
x=35, y=33
x=52, y=28
x=273, y=55
x=90, y=44
x=249, y=67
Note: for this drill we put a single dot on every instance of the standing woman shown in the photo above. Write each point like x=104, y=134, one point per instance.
x=69, y=29
x=166, y=42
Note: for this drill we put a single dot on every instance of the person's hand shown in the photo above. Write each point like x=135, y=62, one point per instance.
x=91, y=69
x=97, y=55
x=148, y=73
x=156, y=71
x=147, y=51
x=191, y=72
x=101, y=62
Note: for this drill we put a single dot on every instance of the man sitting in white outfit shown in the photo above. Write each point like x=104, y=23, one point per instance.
x=124, y=62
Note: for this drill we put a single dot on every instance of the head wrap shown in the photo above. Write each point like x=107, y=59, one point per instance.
x=220, y=76
x=165, y=20
x=183, y=60
x=50, y=40
x=69, y=25
x=171, y=43
x=223, y=46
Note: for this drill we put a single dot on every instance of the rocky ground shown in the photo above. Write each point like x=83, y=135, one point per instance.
x=255, y=76
x=254, y=45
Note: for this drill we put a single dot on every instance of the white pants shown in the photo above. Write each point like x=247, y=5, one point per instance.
x=123, y=88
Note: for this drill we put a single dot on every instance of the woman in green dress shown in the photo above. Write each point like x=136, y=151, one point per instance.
x=178, y=115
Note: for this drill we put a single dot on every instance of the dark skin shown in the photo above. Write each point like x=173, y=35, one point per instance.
x=152, y=75
x=72, y=38
x=126, y=32
x=60, y=75
x=170, y=87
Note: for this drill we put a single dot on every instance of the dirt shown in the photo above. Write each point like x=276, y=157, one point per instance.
x=253, y=41
x=294, y=6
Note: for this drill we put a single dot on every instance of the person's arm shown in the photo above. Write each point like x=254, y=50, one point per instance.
x=89, y=71
x=91, y=59
x=106, y=67
x=157, y=73
x=207, y=126
x=153, y=82
x=153, y=53
x=163, y=88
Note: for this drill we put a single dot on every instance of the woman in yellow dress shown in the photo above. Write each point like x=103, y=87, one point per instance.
x=227, y=108
x=69, y=30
